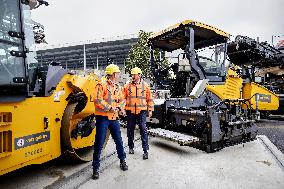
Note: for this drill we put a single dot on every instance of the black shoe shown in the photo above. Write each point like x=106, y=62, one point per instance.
x=131, y=151
x=123, y=165
x=96, y=174
x=145, y=155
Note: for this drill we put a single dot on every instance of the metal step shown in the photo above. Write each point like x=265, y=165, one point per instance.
x=180, y=138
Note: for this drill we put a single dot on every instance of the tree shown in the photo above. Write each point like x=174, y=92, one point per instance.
x=139, y=56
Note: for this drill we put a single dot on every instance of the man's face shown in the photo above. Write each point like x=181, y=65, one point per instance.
x=116, y=77
x=135, y=77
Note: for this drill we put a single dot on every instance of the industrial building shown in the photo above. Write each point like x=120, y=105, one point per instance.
x=97, y=55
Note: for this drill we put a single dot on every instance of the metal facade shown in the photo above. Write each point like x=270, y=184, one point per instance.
x=102, y=53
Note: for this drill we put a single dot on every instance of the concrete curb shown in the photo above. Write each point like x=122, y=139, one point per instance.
x=273, y=150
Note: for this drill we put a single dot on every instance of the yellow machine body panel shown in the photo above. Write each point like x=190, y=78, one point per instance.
x=30, y=129
x=234, y=89
x=267, y=99
x=87, y=86
x=231, y=89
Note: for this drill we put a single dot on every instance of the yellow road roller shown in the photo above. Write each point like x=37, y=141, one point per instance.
x=45, y=111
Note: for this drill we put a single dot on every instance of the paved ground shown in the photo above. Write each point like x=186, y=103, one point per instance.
x=251, y=165
x=171, y=166
x=274, y=130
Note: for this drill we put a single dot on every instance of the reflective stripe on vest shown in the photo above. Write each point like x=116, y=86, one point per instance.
x=108, y=100
x=99, y=101
x=143, y=95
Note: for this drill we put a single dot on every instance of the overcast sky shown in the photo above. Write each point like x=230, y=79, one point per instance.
x=80, y=20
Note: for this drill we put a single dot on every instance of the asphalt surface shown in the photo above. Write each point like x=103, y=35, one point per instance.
x=274, y=130
x=58, y=174
x=250, y=165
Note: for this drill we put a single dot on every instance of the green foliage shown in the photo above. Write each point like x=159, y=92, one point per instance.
x=139, y=56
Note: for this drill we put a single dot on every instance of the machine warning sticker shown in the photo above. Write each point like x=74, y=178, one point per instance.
x=29, y=140
x=264, y=98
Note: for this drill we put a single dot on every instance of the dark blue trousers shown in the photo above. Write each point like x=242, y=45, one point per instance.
x=102, y=124
x=140, y=120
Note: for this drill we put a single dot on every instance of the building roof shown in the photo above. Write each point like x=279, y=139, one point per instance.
x=103, y=53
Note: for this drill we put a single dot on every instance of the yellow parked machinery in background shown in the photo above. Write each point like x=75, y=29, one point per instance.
x=265, y=62
x=212, y=104
x=45, y=111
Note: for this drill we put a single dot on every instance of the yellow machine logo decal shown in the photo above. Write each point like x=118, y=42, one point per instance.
x=29, y=140
x=264, y=98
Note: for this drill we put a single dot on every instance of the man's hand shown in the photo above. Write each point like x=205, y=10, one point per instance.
x=149, y=113
x=114, y=109
x=122, y=113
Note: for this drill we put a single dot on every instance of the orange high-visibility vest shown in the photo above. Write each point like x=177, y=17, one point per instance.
x=138, y=97
x=106, y=96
